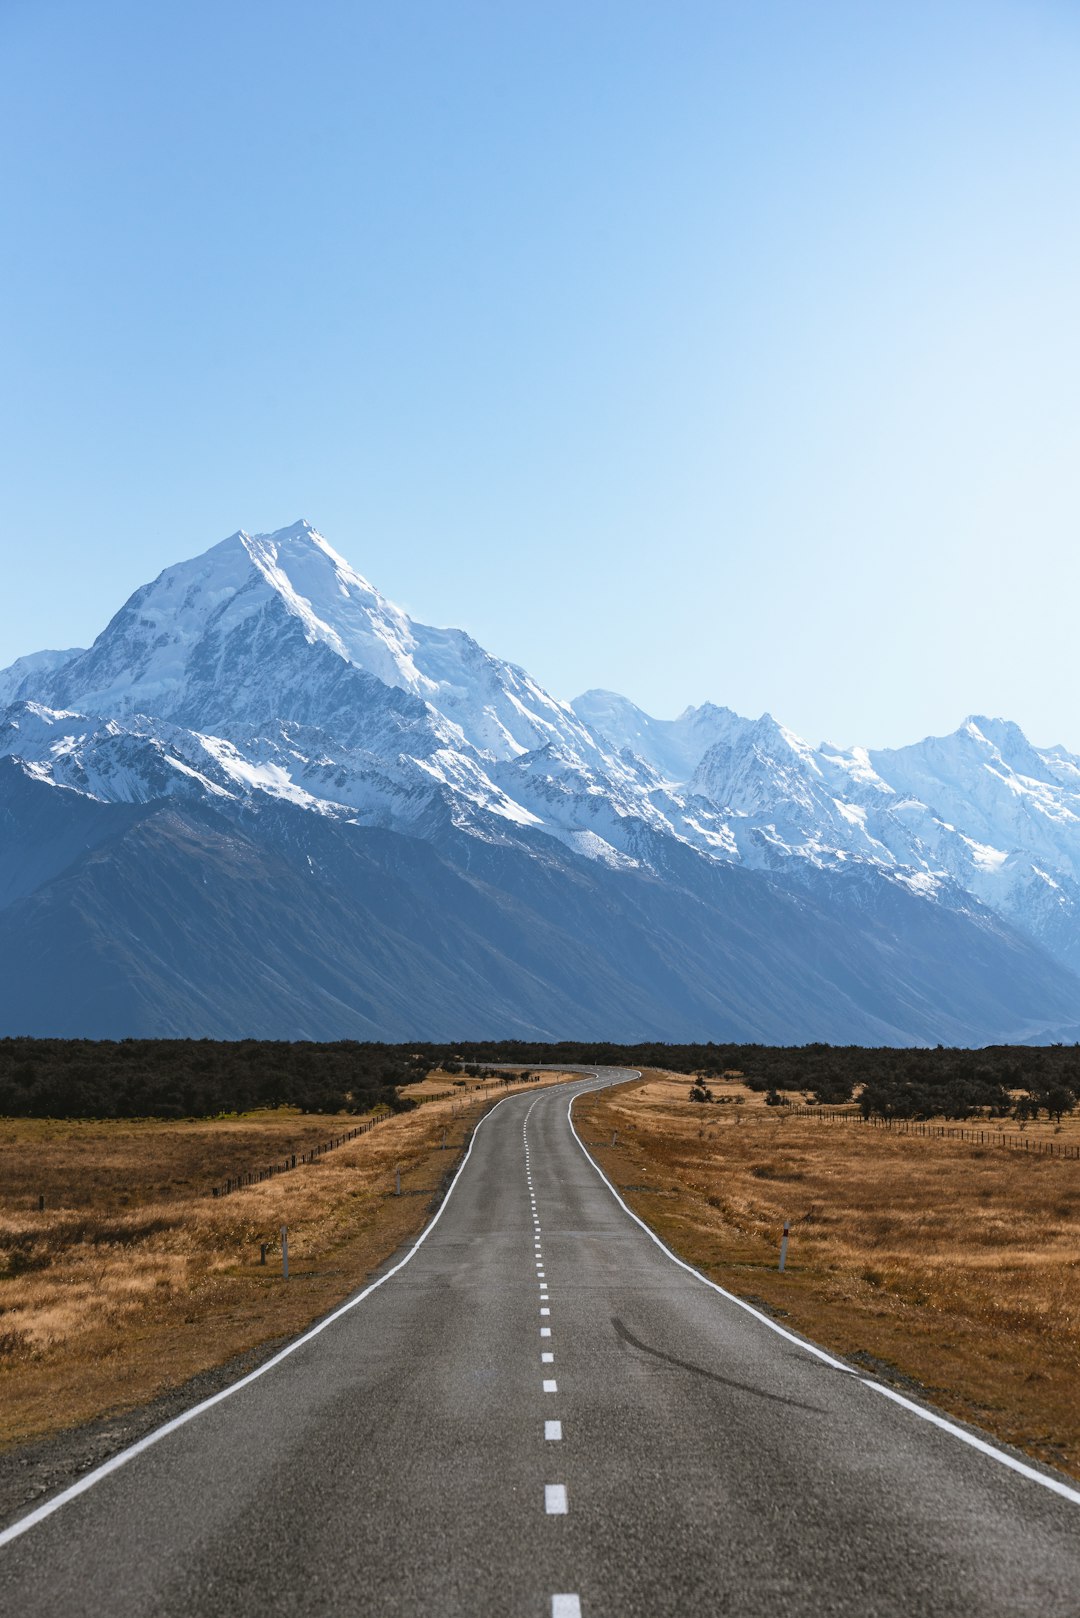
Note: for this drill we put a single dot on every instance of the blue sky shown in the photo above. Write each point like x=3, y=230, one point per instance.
x=724, y=351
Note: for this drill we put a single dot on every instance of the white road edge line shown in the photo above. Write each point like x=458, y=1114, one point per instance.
x=930, y=1416
x=39, y=1513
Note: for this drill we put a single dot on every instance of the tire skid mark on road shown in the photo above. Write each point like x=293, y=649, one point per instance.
x=972, y=1440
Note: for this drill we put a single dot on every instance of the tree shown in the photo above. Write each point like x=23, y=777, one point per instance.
x=1057, y=1099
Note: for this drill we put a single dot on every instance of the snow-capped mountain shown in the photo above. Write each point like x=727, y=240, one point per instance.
x=200, y=643
x=982, y=810
x=265, y=691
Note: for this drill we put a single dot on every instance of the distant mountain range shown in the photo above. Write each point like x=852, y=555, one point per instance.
x=266, y=802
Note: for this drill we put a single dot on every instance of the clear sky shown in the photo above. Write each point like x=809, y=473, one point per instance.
x=696, y=350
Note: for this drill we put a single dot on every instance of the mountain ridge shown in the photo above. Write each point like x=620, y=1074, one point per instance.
x=267, y=681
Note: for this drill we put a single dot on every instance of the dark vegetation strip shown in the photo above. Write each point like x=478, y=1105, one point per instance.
x=178, y=1078
x=995, y=1081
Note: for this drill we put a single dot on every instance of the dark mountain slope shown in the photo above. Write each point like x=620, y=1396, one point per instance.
x=285, y=924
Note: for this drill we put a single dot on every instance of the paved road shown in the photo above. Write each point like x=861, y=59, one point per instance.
x=673, y=1456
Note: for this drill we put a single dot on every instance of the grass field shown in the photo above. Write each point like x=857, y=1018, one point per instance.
x=134, y=1278
x=952, y=1265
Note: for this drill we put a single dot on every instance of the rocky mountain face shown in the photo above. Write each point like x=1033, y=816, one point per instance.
x=265, y=801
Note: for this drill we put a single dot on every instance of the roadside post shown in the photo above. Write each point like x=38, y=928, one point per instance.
x=783, y=1245
x=397, y=1182
x=285, y=1251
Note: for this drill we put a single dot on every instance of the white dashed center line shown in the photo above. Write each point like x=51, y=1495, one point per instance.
x=555, y=1499
x=553, y=1431
x=550, y=1385
x=565, y=1607
x=545, y=1331
x=547, y=1359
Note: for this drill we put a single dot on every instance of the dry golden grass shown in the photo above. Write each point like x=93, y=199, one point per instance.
x=134, y=1278
x=956, y=1265
x=439, y=1083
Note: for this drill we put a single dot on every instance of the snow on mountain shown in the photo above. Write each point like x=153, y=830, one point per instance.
x=989, y=781
x=268, y=669
x=276, y=646
x=674, y=747
x=142, y=760
x=1002, y=818
x=200, y=642
x=29, y=671
x=981, y=812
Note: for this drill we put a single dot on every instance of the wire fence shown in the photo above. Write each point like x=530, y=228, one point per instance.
x=293, y=1160
x=908, y=1126
x=237, y=1182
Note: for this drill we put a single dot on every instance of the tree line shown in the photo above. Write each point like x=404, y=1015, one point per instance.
x=180, y=1078
x=990, y=1081
x=198, y=1078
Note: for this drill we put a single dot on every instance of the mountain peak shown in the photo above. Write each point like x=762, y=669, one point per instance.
x=208, y=640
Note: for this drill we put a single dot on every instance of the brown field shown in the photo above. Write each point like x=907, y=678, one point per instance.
x=134, y=1278
x=951, y=1266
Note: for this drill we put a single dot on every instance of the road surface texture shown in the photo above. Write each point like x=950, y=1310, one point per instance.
x=540, y=1414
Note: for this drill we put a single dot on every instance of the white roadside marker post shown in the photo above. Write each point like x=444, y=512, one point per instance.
x=285, y=1251
x=783, y=1245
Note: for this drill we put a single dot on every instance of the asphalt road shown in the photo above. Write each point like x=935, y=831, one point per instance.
x=674, y=1455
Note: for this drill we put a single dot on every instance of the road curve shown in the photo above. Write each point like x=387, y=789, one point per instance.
x=541, y=1414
